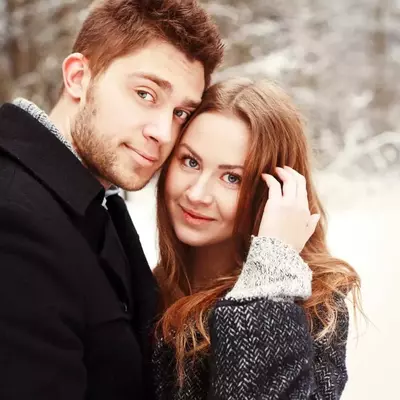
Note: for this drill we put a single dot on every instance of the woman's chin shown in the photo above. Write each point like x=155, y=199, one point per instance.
x=193, y=239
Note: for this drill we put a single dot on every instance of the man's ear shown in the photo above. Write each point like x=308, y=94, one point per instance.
x=76, y=76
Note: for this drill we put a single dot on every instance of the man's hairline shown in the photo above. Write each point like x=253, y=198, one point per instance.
x=148, y=43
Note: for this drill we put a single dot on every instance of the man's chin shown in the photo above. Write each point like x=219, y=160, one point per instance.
x=132, y=184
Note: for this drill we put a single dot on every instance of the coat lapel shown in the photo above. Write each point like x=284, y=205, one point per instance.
x=143, y=283
x=115, y=265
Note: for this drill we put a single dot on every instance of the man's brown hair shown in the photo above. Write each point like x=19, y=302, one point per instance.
x=115, y=28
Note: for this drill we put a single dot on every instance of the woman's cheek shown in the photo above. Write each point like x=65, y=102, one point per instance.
x=176, y=181
x=228, y=204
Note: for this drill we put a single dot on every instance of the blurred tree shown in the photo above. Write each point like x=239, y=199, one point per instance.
x=38, y=34
x=339, y=60
x=382, y=89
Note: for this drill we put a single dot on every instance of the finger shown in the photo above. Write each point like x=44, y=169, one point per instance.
x=312, y=224
x=275, y=190
x=301, y=186
x=289, y=187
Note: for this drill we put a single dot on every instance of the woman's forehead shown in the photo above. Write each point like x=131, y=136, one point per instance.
x=218, y=137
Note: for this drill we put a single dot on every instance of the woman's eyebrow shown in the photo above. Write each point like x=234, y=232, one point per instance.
x=221, y=166
x=191, y=150
x=230, y=166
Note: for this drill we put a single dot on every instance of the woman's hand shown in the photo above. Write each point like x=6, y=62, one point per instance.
x=287, y=215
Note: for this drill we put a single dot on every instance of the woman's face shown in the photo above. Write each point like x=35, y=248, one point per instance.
x=204, y=178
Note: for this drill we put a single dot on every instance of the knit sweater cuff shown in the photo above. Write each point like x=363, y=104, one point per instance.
x=273, y=270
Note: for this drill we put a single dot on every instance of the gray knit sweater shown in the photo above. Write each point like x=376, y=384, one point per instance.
x=261, y=347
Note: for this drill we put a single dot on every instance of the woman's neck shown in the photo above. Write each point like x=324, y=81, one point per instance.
x=210, y=262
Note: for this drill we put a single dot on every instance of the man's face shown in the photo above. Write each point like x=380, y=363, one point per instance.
x=132, y=113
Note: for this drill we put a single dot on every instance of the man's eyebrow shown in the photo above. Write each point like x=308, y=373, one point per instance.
x=222, y=166
x=162, y=83
x=189, y=103
x=167, y=86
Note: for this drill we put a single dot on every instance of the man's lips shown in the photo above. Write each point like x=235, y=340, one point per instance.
x=196, y=215
x=147, y=156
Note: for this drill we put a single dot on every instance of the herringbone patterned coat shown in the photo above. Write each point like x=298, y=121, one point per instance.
x=261, y=347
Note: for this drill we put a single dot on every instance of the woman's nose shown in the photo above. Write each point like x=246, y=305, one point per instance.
x=199, y=192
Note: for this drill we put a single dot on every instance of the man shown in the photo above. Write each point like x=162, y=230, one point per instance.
x=77, y=297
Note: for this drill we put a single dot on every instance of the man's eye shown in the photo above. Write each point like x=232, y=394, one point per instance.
x=145, y=95
x=184, y=115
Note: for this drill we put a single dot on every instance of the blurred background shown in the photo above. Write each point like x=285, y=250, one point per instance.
x=341, y=62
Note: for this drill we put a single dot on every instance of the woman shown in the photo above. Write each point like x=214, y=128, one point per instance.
x=253, y=303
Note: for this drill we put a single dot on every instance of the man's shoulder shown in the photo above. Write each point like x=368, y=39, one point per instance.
x=20, y=189
x=32, y=215
x=7, y=171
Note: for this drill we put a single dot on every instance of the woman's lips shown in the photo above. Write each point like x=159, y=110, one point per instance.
x=195, y=218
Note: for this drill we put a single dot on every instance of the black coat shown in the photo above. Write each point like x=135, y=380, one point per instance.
x=76, y=297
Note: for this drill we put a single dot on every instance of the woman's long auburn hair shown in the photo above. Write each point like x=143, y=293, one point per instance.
x=277, y=138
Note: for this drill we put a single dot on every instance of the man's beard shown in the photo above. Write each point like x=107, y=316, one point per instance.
x=95, y=151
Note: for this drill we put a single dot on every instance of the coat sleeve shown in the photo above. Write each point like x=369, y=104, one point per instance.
x=329, y=361
x=260, y=340
x=41, y=351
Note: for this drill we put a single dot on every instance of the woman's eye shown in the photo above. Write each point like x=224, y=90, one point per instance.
x=182, y=114
x=145, y=95
x=190, y=162
x=231, y=178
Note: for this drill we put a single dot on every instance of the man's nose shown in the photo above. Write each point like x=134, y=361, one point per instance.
x=160, y=130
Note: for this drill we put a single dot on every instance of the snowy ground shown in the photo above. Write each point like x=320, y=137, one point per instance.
x=364, y=232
